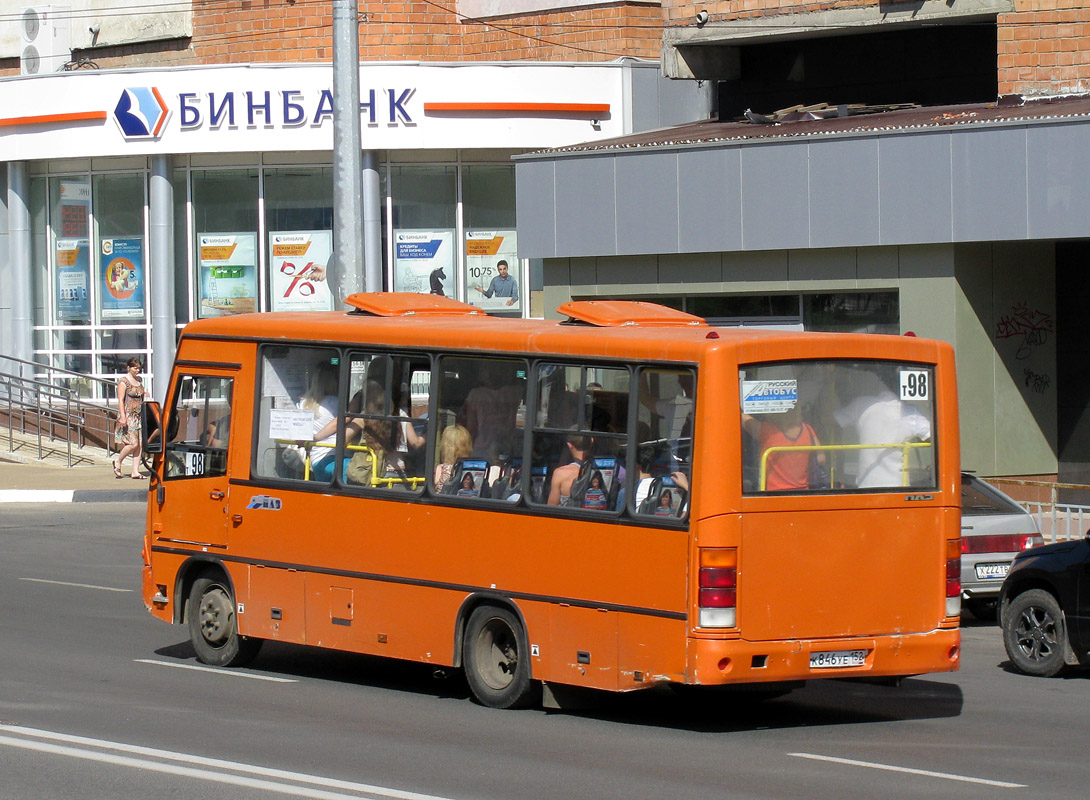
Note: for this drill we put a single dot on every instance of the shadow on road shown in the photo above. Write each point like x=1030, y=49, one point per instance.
x=818, y=703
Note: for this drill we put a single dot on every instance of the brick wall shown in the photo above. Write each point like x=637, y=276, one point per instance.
x=248, y=31
x=1044, y=48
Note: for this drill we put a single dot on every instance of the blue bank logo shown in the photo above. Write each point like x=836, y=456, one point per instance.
x=141, y=113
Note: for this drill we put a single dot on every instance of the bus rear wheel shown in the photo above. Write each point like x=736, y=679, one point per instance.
x=212, y=625
x=496, y=658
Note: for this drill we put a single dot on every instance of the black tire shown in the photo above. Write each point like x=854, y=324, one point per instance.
x=983, y=608
x=212, y=625
x=1034, y=633
x=495, y=654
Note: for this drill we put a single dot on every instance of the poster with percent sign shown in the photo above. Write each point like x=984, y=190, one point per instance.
x=297, y=270
x=486, y=285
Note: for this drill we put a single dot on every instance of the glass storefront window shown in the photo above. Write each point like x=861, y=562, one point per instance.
x=424, y=200
x=493, y=275
x=72, y=287
x=225, y=223
x=120, y=262
x=299, y=226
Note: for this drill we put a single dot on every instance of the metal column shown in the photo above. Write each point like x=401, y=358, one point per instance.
x=22, y=297
x=347, y=275
x=372, y=222
x=161, y=285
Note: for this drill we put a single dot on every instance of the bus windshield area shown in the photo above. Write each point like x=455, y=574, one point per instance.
x=814, y=426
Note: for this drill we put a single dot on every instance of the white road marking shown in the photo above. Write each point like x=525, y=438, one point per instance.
x=231, y=672
x=927, y=773
x=77, y=585
x=212, y=763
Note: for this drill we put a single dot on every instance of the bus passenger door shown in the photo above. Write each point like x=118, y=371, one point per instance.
x=195, y=473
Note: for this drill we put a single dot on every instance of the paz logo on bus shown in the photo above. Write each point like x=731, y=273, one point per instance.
x=264, y=501
x=141, y=113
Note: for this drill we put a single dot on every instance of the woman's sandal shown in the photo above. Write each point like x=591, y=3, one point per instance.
x=117, y=468
x=138, y=477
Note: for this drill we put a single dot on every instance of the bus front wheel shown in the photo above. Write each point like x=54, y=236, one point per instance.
x=496, y=658
x=212, y=626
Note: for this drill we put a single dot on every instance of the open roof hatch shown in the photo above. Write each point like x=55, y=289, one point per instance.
x=619, y=313
x=410, y=304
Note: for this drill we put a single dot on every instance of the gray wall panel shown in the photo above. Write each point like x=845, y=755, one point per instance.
x=775, y=198
x=710, y=200
x=647, y=205
x=586, y=206
x=535, y=204
x=915, y=188
x=1059, y=181
x=988, y=171
x=844, y=193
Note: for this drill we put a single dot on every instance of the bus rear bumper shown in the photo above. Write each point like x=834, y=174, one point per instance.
x=718, y=661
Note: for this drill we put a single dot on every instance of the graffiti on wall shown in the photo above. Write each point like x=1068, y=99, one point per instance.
x=1030, y=328
x=1035, y=381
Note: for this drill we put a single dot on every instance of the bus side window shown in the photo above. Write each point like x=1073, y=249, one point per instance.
x=579, y=435
x=482, y=416
x=297, y=425
x=664, y=442
x=385, y=423
x=199, y=427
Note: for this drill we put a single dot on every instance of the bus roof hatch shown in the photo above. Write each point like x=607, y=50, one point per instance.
x=409, y=304
x=618, y=313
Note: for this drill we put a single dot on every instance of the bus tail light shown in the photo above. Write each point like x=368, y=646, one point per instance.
x=718, y=587
x=953, y=577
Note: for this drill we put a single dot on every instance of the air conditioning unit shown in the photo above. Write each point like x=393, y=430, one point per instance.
x=46, y=33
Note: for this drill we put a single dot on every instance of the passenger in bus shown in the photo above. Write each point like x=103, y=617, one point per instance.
x=579, y=446
x=490, y=410
x=645, y=463
x=455, y=443
x=785, y=470
x=321, y=400
x=883, y=419
x=377, y=435
x=676, y=412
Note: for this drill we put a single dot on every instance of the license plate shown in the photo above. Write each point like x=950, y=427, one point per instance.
x=991, y=571
x=838, y=658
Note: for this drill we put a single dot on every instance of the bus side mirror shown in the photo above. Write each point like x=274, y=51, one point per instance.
x=151, y=428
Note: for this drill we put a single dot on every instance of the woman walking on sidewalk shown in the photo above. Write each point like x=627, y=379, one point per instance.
x=130, y=394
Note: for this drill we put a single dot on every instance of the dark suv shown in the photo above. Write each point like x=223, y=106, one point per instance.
x=1044, y=608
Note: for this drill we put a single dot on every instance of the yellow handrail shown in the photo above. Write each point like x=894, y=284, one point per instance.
x=376, y=480
x=904, y=447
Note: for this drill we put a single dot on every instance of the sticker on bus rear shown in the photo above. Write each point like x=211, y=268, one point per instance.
x=769, y=397
x=914, y=384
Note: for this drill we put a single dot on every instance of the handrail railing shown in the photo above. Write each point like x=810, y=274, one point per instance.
x=109, y=388
x=904, y=447
x=54, y=412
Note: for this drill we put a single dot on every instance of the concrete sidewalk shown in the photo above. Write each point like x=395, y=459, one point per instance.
x=37, y=482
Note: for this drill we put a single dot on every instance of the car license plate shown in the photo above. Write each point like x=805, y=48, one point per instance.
x=986, y=572
x=838, y=658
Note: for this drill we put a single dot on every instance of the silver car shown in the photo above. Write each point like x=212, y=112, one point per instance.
x=993, y=528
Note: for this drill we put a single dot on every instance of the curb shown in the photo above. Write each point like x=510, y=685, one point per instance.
x=72, y=496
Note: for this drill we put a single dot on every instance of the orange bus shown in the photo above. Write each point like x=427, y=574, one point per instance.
x=625, y=498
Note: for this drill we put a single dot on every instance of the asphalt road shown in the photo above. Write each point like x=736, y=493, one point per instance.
x=99, y=700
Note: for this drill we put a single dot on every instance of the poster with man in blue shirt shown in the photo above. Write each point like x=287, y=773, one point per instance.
x=503, y=285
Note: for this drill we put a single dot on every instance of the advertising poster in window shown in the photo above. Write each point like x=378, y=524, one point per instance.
x=492, y=271
x=424, y=262
x=122, y=289
x=297, y=270
x=228, y=273
x=73, y=259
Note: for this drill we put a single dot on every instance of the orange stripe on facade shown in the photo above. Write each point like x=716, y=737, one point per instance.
x=561, y=108
x=46, y=119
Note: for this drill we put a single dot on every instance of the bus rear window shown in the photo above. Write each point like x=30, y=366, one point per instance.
x=819, y=426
